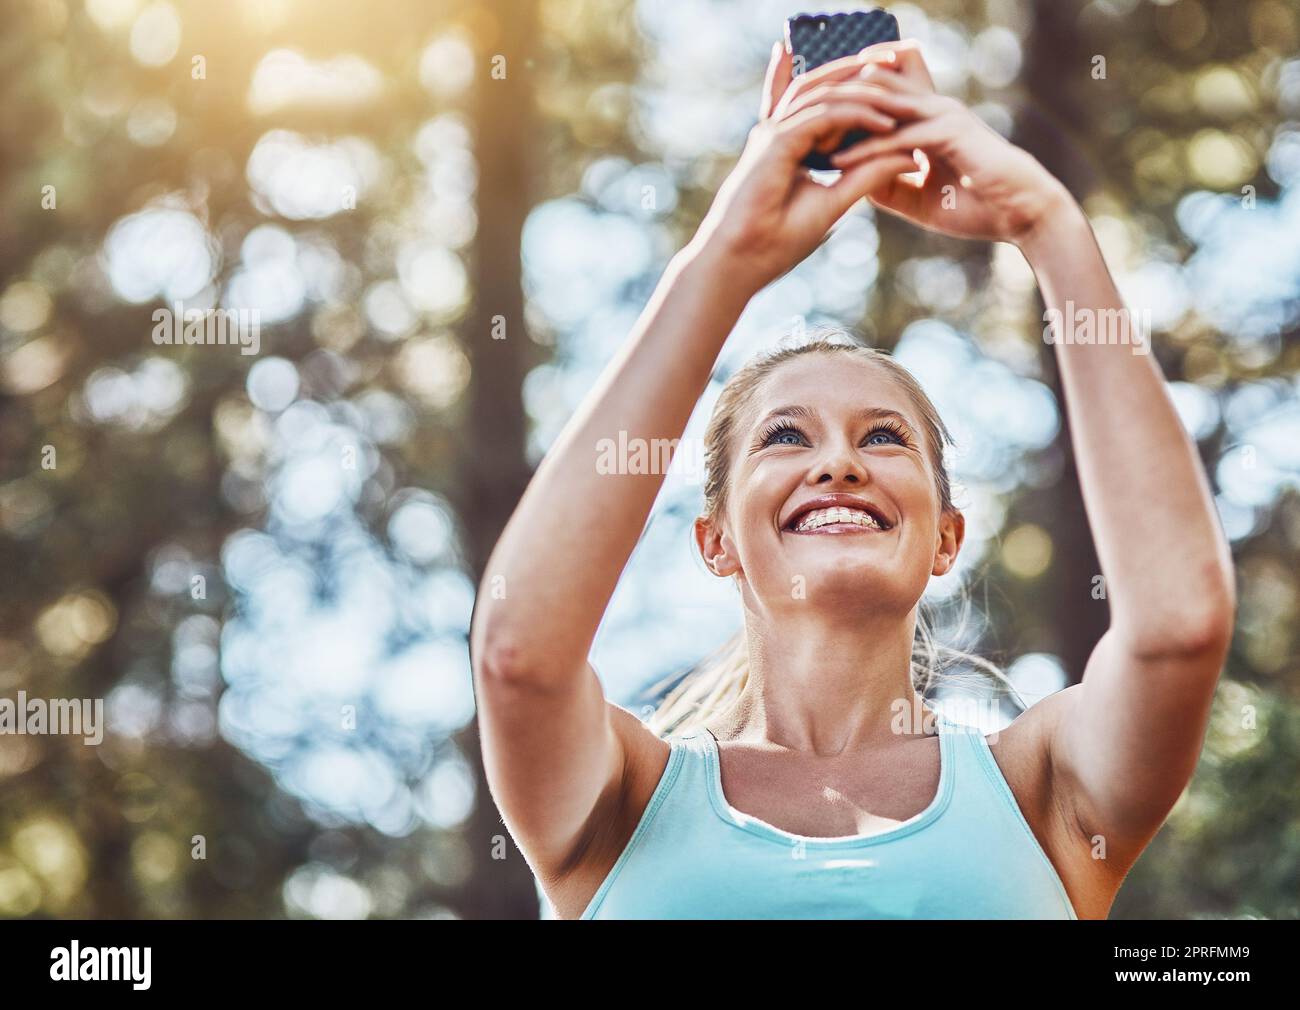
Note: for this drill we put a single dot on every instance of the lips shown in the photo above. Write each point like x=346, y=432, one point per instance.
x=838, y=513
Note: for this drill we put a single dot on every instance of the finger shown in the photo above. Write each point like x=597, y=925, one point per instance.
x=908, y=58
x=822, y=121
x=869, y=178
x=933, y=131
x=777, y=79
x=888, y=75
x=843, y=68
x=848, y=91
x=897, y=197
x=895, y=104
x=821, y=127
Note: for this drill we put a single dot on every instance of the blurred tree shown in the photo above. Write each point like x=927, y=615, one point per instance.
x=492, y=466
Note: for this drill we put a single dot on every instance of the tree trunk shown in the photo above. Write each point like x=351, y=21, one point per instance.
x=493, y=468
x=1057, y=56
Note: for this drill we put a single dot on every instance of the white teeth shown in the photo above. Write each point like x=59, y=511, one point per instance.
x=828, y=517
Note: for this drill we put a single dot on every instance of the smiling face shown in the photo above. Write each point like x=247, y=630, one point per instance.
x=832, y=477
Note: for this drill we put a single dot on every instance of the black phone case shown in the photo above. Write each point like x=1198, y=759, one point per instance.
x=820, y=38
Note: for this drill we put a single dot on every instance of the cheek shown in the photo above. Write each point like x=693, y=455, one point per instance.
x=912, y=486
x=761, y=495
x=754, y=538
x=756, y=545
x=914, y=492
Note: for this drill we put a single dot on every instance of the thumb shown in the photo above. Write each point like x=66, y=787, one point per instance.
x=866, y=178
x=779, y=76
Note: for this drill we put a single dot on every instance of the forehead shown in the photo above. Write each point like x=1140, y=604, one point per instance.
x=831, y=384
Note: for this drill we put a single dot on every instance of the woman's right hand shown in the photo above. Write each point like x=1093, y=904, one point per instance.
x=769, y=214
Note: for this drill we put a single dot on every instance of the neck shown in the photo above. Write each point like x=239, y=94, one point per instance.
x=826, y=684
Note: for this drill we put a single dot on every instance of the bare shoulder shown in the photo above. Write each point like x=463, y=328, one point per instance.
x=614, y=818
x=1030, y=733
x=1022, y=751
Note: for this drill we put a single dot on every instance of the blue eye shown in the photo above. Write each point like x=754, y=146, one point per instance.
x=783, y=434
x=888, y=434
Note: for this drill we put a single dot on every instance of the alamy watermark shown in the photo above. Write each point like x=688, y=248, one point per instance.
x=178, y=325
x=53, y=717
x=626, y=455
x=1098, y=326
x=962, y=713
x=75, y=963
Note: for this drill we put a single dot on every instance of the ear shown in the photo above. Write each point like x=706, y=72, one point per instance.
x=952, y=533
x=716, y=548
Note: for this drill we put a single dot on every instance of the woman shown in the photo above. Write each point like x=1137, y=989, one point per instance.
x=828, y=504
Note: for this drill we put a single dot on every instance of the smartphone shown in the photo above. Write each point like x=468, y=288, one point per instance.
x=814, y=39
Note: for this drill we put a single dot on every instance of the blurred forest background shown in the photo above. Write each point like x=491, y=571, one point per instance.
x=265, y=564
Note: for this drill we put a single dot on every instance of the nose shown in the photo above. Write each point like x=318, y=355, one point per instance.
x=840, y=463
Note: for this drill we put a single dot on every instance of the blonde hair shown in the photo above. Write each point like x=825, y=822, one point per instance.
x=717, y=682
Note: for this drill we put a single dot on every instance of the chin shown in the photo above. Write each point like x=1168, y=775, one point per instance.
x=861, y=584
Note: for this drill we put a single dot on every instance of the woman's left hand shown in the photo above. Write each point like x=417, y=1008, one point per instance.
x=979, y=185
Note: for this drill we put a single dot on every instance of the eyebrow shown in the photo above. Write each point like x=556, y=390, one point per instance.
x=866, y=414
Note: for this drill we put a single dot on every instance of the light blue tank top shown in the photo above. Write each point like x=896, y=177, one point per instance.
x=969, y=855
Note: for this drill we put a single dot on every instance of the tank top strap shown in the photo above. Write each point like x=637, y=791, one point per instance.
x=974, y=752
x=692, y=758
x=977, y=780
x=685, y=779
x=962, y=743
x=985, y=797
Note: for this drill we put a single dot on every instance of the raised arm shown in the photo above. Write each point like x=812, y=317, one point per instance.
x=1133, y=736
x=1122, y=745
x=558, y=758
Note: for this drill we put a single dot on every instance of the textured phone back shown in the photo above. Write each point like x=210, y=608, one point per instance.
x=820, y=38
